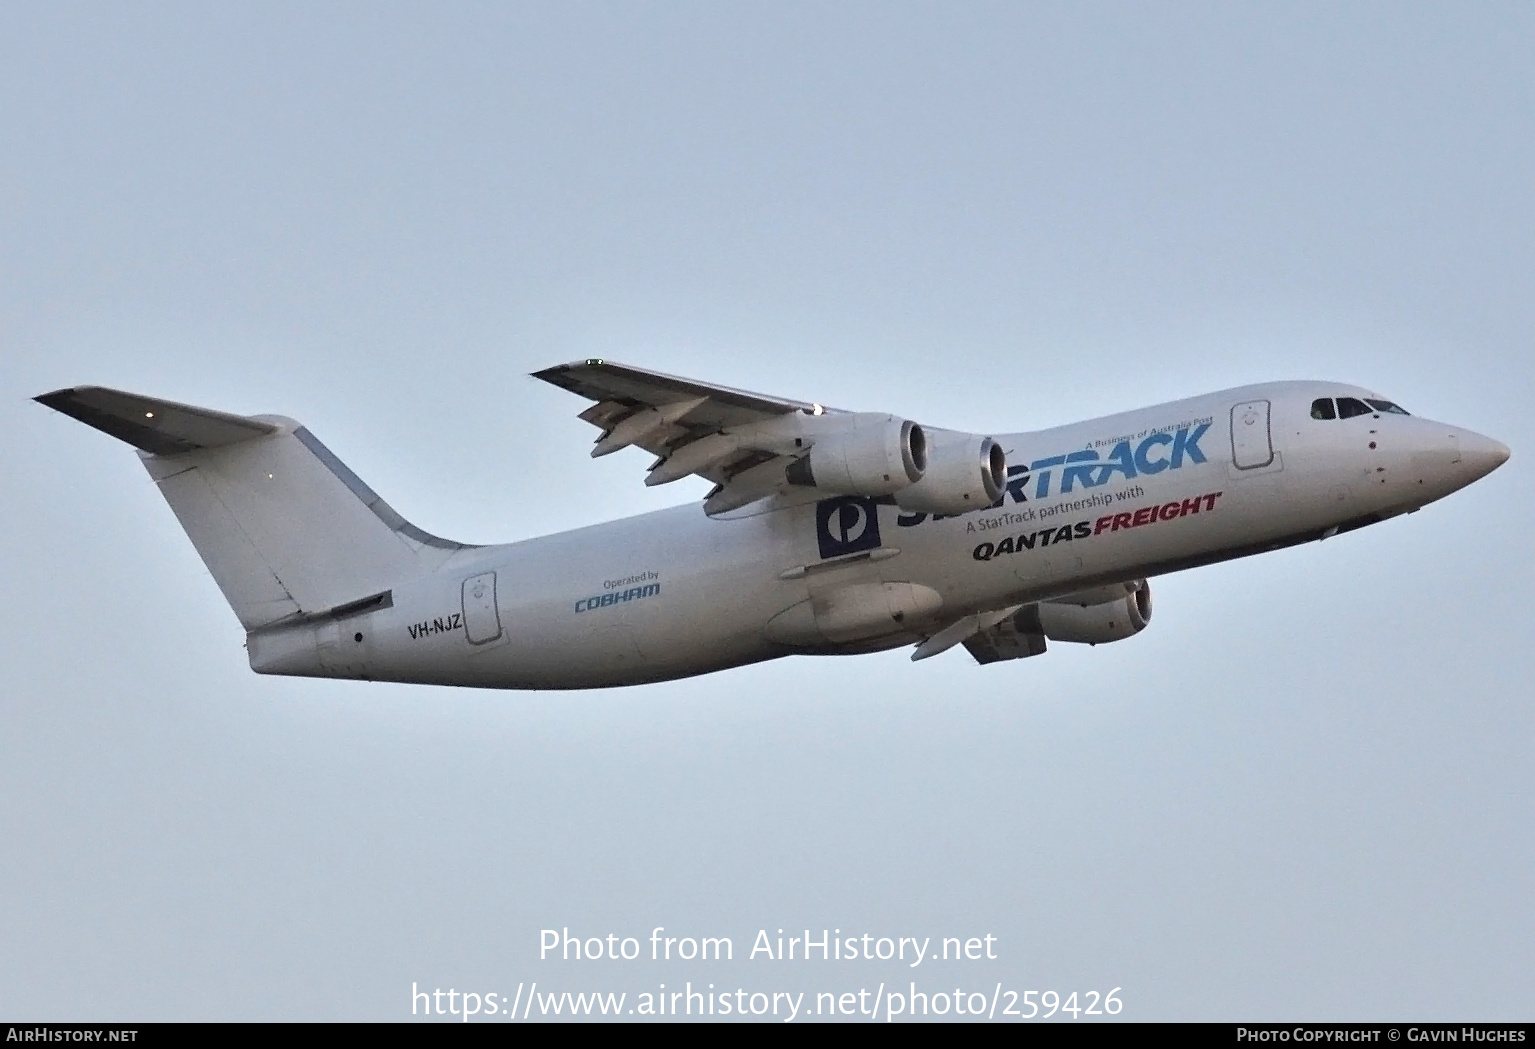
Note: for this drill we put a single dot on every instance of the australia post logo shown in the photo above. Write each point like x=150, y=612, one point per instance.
x=849, y=524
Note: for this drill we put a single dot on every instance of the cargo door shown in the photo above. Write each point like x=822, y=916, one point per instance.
x=1251, y=445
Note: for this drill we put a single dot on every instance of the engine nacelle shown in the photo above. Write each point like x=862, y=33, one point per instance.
x=1095, y=624
x=877, y=455
x=964, y=472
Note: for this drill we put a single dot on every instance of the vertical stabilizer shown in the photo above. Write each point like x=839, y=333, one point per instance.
x=284, y=527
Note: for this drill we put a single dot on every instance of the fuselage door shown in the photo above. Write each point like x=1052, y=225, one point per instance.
x=482, y=619
x=1251, y=446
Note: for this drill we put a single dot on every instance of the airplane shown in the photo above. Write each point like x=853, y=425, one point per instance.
x=826, y=532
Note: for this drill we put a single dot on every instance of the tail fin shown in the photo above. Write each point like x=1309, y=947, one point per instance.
x=284, y=527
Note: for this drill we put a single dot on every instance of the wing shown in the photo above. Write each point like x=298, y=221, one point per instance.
x=741, y=441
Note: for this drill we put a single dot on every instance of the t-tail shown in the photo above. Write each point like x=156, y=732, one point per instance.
x=289, y=533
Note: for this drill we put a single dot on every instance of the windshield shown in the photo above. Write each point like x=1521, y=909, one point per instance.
x=1350, y=407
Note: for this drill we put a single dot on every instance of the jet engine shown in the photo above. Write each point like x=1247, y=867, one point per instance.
x=964, y=472
x=877, y=455
x=1094, y=624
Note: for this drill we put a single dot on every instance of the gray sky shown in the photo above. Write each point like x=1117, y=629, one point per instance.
x=1304, y=792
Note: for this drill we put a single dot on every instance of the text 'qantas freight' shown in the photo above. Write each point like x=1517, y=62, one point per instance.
x=827, y=532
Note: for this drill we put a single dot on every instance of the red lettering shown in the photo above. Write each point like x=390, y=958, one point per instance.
x=1210, y=499
x=1143, y=516
x=1120, y=521
x=1191, y=506
x=1103, y=522
x=1168, y=512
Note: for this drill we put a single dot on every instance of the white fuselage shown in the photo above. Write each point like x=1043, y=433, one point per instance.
x=676, y=593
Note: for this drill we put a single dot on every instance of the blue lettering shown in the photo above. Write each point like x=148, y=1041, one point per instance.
x=634, y=593
x=1143, y=460
x=1080, y=473
x=1043, y=465
x=1189, y=443
x=1121, y=460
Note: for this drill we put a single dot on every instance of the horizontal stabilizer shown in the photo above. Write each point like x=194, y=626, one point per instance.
x=155, y=426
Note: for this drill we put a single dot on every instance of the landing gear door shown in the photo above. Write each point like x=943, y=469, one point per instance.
x=482, y=619
x=1251, y=445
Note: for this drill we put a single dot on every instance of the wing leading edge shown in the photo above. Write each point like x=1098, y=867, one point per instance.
x=742, y=441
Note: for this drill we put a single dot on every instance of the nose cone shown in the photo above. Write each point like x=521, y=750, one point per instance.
x=1479, y=456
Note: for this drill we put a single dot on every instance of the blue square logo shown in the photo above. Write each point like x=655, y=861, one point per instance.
x=847, y=525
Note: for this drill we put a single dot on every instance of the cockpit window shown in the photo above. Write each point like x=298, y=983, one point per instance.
x=1321, y=408
x=1387, y=406
x=1348, y=407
